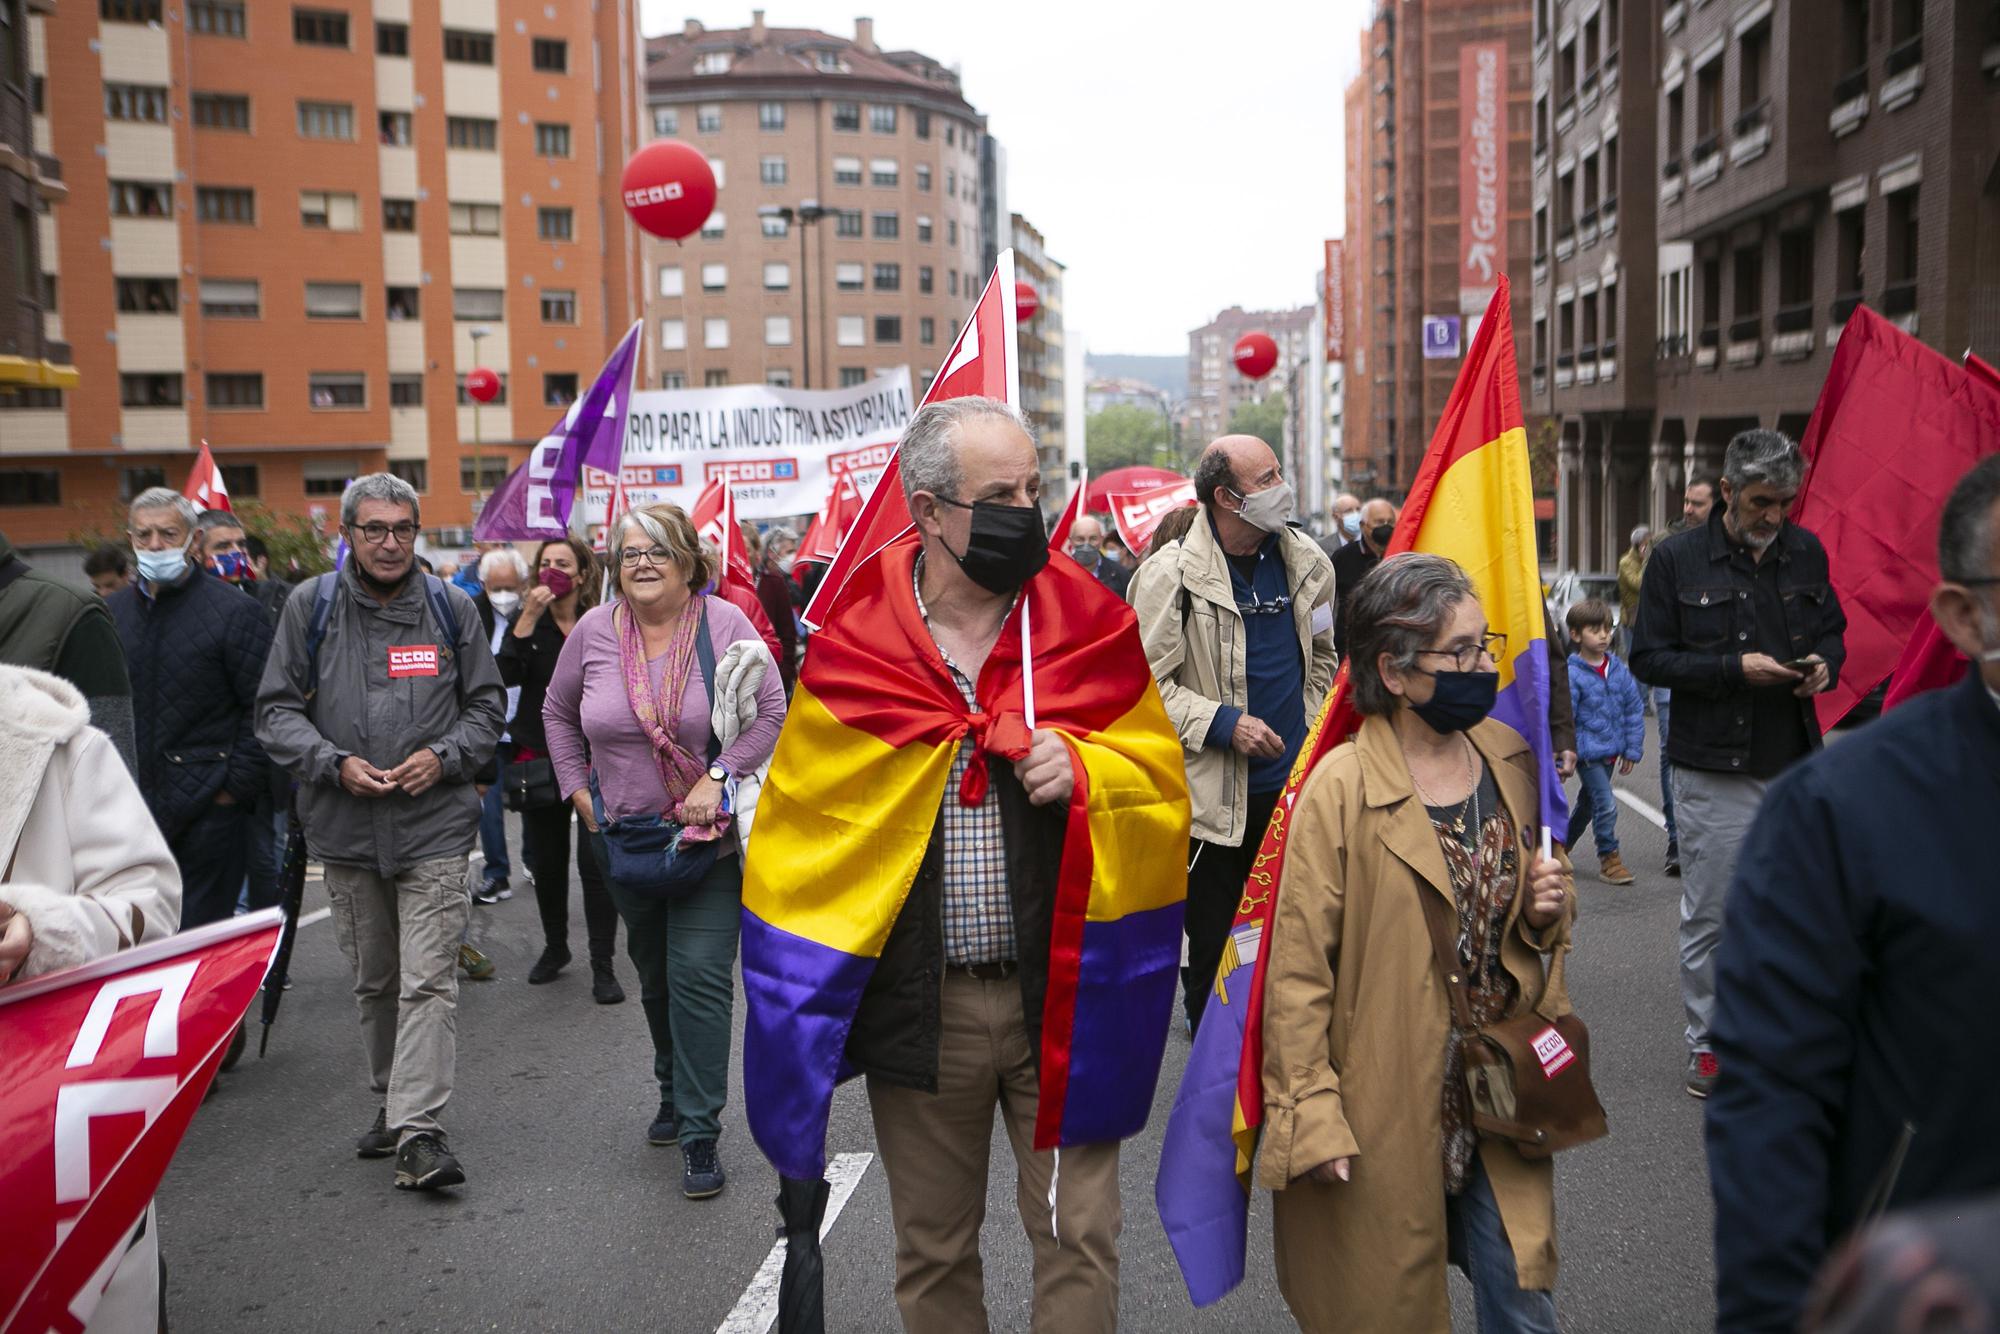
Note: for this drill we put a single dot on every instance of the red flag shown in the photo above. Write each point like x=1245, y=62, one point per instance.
x=1059, y=536
x=615, y=507
x=1929, y=662
x=204, y=484
x=843, y=504
x=1982, y=368
x=714, y=519
x=1896, y=426
x=1137, y=514
x=983, y=361
x=102, y=1069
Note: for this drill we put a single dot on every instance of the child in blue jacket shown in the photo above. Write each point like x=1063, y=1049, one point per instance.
x=1610, y=730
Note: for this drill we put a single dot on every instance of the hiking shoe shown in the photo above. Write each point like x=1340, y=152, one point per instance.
x=554, y=959
x=424, y=1163
x=492, y=891
x=1702, y=1073
x=1611, y=869
x=379, y=1141
x=701, y=1170
x=666, y=1127
x=604, y=988
x=476, y=965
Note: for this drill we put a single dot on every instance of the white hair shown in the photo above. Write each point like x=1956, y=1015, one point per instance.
x=499, y=556
x=378, y=486
x=928, y=454
x=166, y=498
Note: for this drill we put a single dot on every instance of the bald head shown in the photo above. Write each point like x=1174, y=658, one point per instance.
x=1243, y=463
x=1378, y=517
x=1086, y=529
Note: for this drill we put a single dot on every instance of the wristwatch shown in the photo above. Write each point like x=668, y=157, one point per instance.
x=718, y=773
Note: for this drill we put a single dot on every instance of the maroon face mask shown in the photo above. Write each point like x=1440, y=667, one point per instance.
x=557, y=582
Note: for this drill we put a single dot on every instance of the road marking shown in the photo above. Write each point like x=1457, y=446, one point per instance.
x=312, y=917
x=1638, y=804
x=758, y=1308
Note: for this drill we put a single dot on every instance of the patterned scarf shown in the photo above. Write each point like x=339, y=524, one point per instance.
x=660, y=715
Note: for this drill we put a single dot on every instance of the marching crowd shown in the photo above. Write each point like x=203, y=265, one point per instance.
x=1834, y=901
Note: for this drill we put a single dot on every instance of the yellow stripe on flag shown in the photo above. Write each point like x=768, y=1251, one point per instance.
x=1138, y=805
x=1475, y=518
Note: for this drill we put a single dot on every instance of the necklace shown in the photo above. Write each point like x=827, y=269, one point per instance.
x=1470, y=803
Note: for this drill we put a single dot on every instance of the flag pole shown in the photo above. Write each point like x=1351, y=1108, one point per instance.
x=1027, y=666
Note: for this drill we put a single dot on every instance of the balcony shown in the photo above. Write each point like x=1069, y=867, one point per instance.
x=1791, y=332
x=1752, y=135
x=1565, y=370
x=1673, y=17
x=1746, y=342
x=1609, y=212
x=1843, y=306
x=1670, y=180
x=1670, y=346
x=1706, y=163
x=1586, y=364
x=1708, y=348
x=1565, y=243
x=1541, y=270
x=1850, y=103
x=1903, y=74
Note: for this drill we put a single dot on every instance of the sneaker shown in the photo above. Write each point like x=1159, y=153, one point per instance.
x=1673, y=865
x=1702, y=1072
x=379, y=1141
x=492, y=891
x=701, y=1170
x=604, y=988
x=476, y=965
x=554, y=959
x=666, y=1127
x=1611, y=869
x=424, y=1163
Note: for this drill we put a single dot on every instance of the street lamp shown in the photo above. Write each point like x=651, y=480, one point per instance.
x=475, y=333
x=805, y=215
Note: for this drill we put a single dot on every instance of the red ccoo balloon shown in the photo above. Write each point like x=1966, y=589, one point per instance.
x=1255, y=354
x=1026, y=302
x=668, y=189
x=482, y=384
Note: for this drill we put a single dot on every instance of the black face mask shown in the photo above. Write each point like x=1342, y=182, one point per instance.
x=1009, y=544
x=1460, y=700
x=1381, y=534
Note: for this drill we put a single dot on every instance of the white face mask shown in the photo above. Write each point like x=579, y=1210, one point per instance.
x=162, y=567
x=1270, y=509
x=506, y=604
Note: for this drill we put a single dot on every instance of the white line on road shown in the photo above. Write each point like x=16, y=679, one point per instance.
x=1638, y=804
x=759, y=1306
x=319, y=916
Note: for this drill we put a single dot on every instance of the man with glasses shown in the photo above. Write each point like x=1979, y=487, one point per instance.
x=195, y=649
x=383, y=700
x=1238, y=627
x=1739, y=619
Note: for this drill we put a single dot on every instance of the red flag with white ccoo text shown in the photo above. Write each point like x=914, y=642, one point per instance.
x=1137, y=514
x=204, y=484
x=714, y=520
x=101, y=1071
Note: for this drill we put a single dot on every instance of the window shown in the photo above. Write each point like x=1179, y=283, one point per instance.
x=1902, y=238
x=712, y=229
x=143, y=102
x=924, y=177
x=133, y=481
x=882, y=120
x=673, y=335
x=558, y=389
x=475, y=219
x=1747, y=270
x=555, y=224
x=777, y=277
x=672, y=283
x=1795, y=276
x=715, y=332
x=392, y=39
x=888, y=328
x=551, y=140
x=242, y=479
x=417, y=472
x=850, y=331
x=770, y=115
x=551, y=55
x=235, y=389
x=923, y=120
x=775, y=228
x=468, y=48
x=666, y=122
x=342, y=390
x=230, y=299
x=320, y=479
x=1849, y=253
x=926, y=331
x=1711, y=295
x=949, y=133
x=218, y=18
x=478, y=303
x=1676, y=124
x=402, y=303
x=471, y=132
x=558, y=306
x=221, y=111
x=466, y=400
x=333, y=301
x=888, y=277
x=926, y=280
x=129, y=11
x=720, y=170
x=31, y=486
x=399, y=215
x=319, y=27
x=714, y=277
x=329, y=210
x=779, y=377
x=673, y=380
x=951, y=282
x=148, y=296
x=951, y=231
x=225, y=203
x=1707, y=108
x=849, y=277
x=925, y=230
x=883, y=172
x=1753, y=53
x=326, y=120
x=141, y=199
x=851, y=376
x=847, y=222
x=715, y=379
x=951, y=183
x=393, y=128
x=713, y=62
x=149, y=391
x=406, y=391
x=777, y=331
x=481, y=474
x=847, y=171
x=847, y=116
x=888, y=226
x=771, y=170
x=708, y=119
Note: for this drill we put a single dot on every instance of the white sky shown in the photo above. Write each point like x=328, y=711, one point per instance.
x=1178, y=158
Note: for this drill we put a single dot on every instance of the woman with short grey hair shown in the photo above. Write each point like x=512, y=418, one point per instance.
x=1369, y=1139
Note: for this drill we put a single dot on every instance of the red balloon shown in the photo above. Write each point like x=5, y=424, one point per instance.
x=1255, y=354
x=668, y=188
x=482, y=384
x=1026, y=302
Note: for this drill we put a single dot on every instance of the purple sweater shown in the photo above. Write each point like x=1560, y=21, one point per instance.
x=586, y=706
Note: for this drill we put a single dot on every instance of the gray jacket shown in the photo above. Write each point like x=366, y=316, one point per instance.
x=456, y=707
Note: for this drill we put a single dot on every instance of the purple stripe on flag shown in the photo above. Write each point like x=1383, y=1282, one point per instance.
x=593, y=430
x=1124, y=1002
x=800, y=998
x=1524, y=706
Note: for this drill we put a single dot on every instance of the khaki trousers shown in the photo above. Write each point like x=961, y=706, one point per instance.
x=401, y=935
x=935, y=1149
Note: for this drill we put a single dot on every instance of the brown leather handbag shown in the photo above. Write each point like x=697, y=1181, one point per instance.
x=1528, y=1077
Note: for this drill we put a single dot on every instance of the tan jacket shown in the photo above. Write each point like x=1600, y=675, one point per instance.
x=1355, y=1024
x=1196, y=648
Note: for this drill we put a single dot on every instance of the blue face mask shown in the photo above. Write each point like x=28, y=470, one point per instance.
x=162, y=567
x=233, y=566
x=1461, y=700
x=1350, y=524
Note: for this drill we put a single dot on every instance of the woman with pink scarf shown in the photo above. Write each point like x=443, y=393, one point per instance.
x=628, y=706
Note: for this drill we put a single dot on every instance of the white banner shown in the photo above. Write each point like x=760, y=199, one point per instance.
x=783, y=449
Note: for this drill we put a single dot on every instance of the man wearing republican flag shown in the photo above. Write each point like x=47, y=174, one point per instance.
x=967, y=882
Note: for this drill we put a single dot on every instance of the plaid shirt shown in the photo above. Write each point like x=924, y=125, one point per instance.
x=978, y=913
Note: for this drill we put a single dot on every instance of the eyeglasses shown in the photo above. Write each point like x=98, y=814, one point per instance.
x=654, y=556
x=1492, y=644
x=1277, y=606
x=375, y=534
x=173, y=537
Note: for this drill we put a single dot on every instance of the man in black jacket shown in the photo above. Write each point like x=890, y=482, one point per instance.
x=196, y=650
x=1739, y=619
x=1855, y=987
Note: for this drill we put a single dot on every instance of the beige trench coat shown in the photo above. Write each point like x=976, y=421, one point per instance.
x=1355, y=1024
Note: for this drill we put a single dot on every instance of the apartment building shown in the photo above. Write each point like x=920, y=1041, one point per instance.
x=1042, y=351
x=294, y=228
x=847, y=236
x=1216, y=389
x=1364, y=183
x=34, y=361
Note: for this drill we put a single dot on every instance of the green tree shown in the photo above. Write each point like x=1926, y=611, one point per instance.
x=1125, y=434
x=291, y=537
x=1265, y=420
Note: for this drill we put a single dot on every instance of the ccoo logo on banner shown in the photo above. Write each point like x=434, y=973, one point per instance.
x=101, y=1071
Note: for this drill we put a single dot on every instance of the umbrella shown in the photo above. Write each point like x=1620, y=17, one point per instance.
x=292, y=886
x=1139, y=477
x=801, y=1290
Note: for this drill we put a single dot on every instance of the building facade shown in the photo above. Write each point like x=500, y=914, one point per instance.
x=293, y=230
x=35, y=365
x=1043, y=352
x=1361, y=324
x=849, y=230
x=1216, y=389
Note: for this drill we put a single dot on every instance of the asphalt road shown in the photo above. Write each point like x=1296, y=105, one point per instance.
x=570, y=1221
